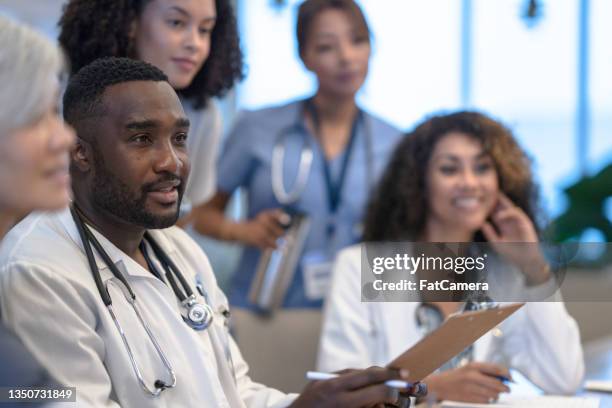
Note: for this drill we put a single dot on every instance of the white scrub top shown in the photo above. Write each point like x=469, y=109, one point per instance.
x=541, y=340
x=49, y=299
x=203, y=147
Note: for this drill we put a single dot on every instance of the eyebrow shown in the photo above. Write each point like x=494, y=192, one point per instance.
x=324, y=36
x=180, y=10
x=186, y=14
x=142, y=124
x=182, y=123
x=149, y=124
x=454, y=157
x=327, y=34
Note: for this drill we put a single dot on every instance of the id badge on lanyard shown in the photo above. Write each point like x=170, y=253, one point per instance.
x=316, y=271
x=317, y=264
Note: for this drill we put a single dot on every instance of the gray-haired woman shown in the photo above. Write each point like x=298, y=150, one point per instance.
x=34, y=142
x=34, y=146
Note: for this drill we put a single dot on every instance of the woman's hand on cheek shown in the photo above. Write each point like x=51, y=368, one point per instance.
x=512, y=234
x=511, y=223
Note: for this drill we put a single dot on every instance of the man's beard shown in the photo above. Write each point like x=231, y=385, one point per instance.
x=114, y=196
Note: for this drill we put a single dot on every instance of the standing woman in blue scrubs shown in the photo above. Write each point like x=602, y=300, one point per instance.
x=350, y=149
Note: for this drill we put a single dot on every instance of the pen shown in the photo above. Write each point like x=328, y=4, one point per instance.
x=503, y=379
x=315, y=375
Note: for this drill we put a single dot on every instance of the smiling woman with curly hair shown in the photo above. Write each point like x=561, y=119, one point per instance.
x=456, y=178
x=405, y=179
x=195, y=43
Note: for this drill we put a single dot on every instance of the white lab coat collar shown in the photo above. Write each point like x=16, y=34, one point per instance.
x=118, y=257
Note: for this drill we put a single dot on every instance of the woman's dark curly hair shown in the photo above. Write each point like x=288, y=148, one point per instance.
x=399, y=208
x=91, y=29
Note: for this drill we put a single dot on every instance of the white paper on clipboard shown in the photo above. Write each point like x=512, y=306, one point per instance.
x=546, y=401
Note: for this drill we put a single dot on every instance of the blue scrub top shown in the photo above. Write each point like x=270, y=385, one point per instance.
x=246, y=162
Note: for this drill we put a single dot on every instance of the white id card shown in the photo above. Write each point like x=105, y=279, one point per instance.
x=316, y=271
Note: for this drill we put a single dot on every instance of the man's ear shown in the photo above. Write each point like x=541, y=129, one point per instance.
x=131, y=34
x=81, y=155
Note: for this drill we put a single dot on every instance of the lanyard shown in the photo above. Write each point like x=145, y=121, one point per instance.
x=334, y=188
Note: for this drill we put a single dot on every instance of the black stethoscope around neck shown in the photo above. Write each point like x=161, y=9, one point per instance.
x=196, y=315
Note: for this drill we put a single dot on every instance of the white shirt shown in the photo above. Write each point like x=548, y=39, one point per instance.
x=541, y=340
x=203, y=148
x=49, y=299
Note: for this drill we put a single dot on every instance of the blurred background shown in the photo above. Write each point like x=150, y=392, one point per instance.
x=541, y=66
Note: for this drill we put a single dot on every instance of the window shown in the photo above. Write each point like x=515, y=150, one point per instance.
x=428, y=70
x=527, y=76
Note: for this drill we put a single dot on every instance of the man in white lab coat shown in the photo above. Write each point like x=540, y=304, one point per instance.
x=129, y=171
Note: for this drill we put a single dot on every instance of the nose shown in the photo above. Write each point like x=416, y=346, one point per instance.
x=193, y=41
x=346, y=51
x=63, y=136
x=468, y=179
x=168, y=159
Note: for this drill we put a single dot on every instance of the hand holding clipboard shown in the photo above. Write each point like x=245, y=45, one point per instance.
x=457, y=333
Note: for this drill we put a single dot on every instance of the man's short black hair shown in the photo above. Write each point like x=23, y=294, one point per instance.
x=85, y=89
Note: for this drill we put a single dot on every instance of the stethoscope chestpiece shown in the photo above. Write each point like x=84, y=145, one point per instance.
x=199, y=316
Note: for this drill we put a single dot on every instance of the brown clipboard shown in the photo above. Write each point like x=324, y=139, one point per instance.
x=452, y=337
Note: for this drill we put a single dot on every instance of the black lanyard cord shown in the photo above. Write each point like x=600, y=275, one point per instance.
x=334, y=190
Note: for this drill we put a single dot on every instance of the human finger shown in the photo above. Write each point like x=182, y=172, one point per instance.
x=504, y=201
x=346, y=371
x=369, y=376
x=268, y=221
x=368, y=396
x=490, y=233
x=505, y=214
x=263, y=239
x=494, y=384
x=491, y=369
x=282, y=217
x=273, y=229
x=475, y=392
